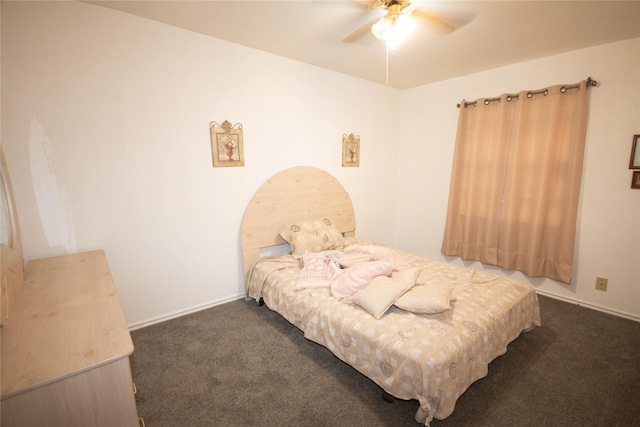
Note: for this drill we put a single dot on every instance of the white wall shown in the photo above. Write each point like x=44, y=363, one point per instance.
x=608, y=235
x=105, y=122
x=105, y=128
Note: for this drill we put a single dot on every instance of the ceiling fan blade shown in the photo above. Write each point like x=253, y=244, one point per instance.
x=360, y=4
x=367, y=4
x=360, y=32
x=433, y=24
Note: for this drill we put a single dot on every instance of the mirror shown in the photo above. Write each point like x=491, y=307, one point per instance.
x=6, y=234
x=11, y=259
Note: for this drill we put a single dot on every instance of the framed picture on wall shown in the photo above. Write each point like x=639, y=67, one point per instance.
x=634, y=163
x=227, y=146
x=635, y=180
x=351, y=150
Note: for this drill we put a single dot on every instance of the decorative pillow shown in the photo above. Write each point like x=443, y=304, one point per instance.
x=381, y=253
x=317, y=271
x=347, y=260
x=312, y=236
x=358, y=276
x=426, y=299
x=383, y=291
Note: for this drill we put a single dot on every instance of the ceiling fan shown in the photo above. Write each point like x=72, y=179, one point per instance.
x=398, y=23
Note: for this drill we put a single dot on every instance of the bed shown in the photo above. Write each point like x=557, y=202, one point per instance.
x=418, y=328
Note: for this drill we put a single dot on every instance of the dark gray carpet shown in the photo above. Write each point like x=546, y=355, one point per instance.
x=242, y=365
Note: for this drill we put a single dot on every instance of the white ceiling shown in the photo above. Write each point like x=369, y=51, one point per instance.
x=488, y=34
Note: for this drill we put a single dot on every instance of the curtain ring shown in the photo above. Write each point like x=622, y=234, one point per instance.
x=563, y=89
x=509, y=98
x=529, y=94
x=546, y=92
x=487, y=102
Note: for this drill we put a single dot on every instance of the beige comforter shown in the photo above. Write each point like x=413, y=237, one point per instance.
x=432, y=358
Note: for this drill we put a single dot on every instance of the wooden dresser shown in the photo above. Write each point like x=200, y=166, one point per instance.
x=66, y=347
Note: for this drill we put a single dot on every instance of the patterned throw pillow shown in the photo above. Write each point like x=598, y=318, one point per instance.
x=312, y=236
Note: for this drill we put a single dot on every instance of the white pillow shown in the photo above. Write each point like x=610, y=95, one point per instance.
x=383, y=291
x=426, y=299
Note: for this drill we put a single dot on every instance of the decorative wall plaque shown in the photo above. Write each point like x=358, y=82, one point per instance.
x=226, y=144
x=351, y=150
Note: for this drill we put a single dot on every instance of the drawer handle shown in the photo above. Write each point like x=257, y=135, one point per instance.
x=135, y=389
x=141, y=422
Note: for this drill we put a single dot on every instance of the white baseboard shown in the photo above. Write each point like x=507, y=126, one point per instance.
x=164, y=318
x=591, y=306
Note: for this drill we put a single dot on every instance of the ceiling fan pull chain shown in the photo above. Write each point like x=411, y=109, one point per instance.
x=387, y=62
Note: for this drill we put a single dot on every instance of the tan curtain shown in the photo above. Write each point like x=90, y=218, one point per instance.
x=473, y=221
x=515, y=182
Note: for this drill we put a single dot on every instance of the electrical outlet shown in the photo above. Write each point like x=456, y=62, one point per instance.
x=601, y=284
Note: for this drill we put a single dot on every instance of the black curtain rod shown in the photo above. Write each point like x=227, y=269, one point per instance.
x=563, y=89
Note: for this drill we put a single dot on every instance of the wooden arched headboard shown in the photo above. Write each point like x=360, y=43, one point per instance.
x=296, y=194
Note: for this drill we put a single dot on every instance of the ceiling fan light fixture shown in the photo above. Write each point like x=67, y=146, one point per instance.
x=381, y=28
x=394, y=31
